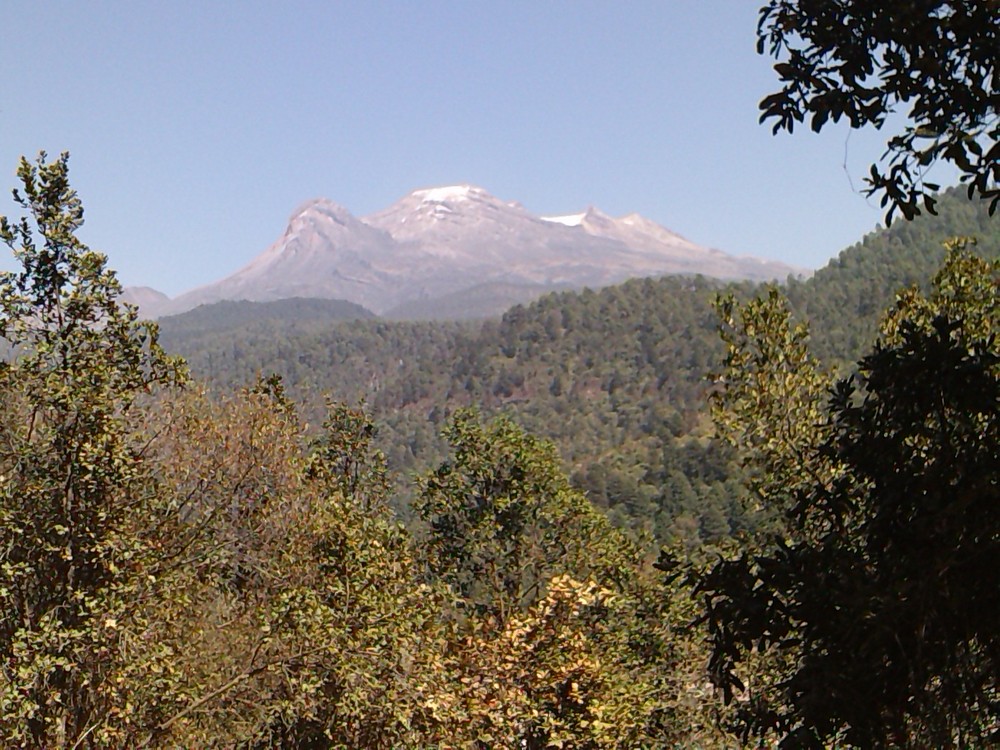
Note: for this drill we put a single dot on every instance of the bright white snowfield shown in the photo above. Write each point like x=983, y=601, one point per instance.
x=447, y=193
x=572, y=220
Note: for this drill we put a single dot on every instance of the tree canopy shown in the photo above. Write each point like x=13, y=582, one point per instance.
x=862, y=60
x=179, y=569
x=870, y=614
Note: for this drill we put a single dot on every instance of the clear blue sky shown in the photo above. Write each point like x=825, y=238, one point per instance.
x=196, y=128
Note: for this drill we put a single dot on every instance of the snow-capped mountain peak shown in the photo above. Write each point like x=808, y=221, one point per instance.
x=448, y=193
x=441, y=241
x=445, y=211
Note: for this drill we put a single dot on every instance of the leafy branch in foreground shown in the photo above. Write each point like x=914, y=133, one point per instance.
x=861, y=60
x=873, y=611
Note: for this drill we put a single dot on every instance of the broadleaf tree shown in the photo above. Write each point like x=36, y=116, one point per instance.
x=872, y=610
x=81, y=665
x=562, y=637
x=863, y=60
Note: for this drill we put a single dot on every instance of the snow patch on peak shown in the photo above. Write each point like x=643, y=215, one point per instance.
x=571, y=220
x=634, y=220
x=448, y=193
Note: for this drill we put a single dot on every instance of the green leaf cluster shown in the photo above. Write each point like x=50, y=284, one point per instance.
x=74, y=563
x=867, y=618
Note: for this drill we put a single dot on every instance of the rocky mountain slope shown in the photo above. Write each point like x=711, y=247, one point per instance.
x=457, y=251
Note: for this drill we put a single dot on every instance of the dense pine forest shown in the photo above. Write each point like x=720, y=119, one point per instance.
x=616, y=378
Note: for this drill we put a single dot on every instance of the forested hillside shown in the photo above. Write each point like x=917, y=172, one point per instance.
x=617, y=378
x=196, y=569
x=844, y=300
x=296, y=314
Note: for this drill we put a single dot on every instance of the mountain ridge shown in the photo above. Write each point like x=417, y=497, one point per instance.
x=438, y=243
